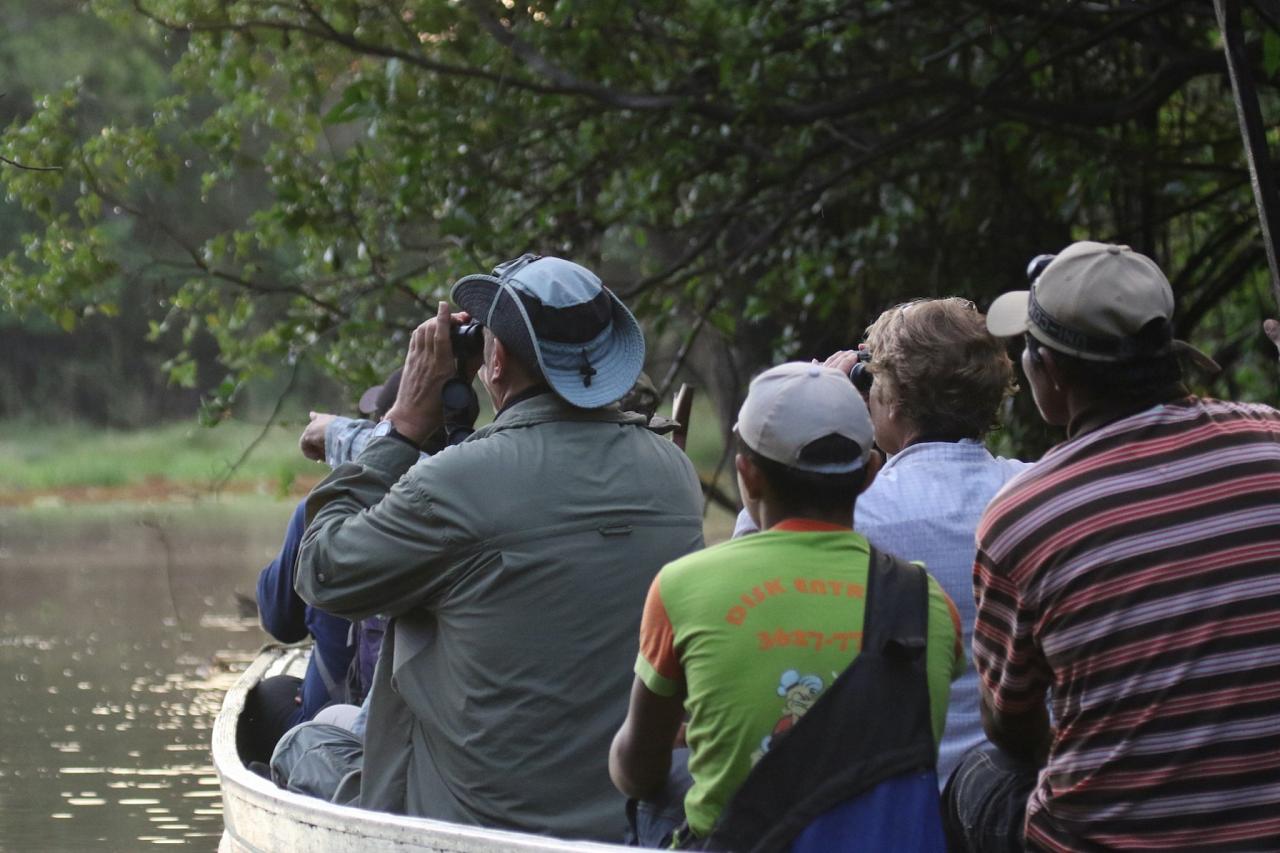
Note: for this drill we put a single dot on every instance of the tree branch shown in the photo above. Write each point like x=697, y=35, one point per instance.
x=1214, y=290
x=23, y=166
x=194, y=253
x=221, y=483
x=347, y=40
x=664, y=388
x=567, y=83
x=1168, y=79
x=27, y=168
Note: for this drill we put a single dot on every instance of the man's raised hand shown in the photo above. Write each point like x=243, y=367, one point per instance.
x=312, y=439
x=418, y=411
x=842, y=360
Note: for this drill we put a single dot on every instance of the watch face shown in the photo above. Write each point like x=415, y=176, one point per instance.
x=383, y=428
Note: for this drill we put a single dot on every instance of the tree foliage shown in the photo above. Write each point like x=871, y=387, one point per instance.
x=106, y=373
x=765, y=176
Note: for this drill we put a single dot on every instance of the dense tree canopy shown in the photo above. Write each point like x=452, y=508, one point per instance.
x=764, y=177
x=45, y=372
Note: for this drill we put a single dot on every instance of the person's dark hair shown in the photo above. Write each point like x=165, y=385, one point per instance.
x=801, y=491
x=1156, y=375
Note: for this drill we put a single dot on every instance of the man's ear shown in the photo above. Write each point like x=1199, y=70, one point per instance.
x=499, y=360
x=1052, y=370
x=874, y=462
x=749, y=477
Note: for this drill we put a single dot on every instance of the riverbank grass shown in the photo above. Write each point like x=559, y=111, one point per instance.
x=68, y=464
x=39, y=457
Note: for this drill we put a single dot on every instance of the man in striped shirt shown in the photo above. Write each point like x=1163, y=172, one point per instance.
x=1133, y=576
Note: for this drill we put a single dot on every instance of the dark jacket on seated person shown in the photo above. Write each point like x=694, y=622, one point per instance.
x=289, y=619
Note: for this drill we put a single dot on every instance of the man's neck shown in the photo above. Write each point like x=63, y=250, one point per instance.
x=508, y=397
x=1089, y=415
x=771, y=516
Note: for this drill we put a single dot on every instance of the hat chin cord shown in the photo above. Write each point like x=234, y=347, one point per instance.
x=586, y=369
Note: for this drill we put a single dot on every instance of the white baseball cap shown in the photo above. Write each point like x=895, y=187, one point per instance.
x=790, y=406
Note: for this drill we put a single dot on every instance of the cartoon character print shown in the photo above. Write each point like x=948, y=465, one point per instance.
x=798, y=692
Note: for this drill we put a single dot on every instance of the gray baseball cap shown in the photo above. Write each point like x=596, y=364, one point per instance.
x=559, y=317
x=1090, y=301
x=790, y=406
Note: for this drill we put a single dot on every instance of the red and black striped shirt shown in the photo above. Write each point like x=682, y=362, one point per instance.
x=1135, y=573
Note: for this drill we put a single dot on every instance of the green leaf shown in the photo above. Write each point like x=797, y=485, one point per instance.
x=354, y=103
x=1271, y=52
x=809, y=164
x=183, y=374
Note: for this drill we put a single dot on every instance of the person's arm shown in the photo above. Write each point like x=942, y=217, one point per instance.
x=1272, y=330
x=345, y=439
x=376, y=544
x=314, y=436
x=1025, y=735
x=1013, y=675
x=337, y=440
x=640, y=756
x=959, y=658
x=282, y=612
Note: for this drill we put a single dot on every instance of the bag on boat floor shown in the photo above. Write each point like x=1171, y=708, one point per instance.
x=320, y=760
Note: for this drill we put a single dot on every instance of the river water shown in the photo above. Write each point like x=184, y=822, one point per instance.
x=119, y=633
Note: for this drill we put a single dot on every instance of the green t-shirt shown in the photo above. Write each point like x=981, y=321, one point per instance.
x=750, y=632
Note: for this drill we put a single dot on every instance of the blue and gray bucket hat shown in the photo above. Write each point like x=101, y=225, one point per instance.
x=559, y=316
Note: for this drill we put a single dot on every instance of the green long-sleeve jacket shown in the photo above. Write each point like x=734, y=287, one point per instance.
x=516, y=565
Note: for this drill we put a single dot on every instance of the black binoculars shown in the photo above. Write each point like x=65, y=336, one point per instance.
x=1036, y=266
x=467, y=340
x=860, y=374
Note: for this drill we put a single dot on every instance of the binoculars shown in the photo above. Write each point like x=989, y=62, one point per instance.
x=467, y=340
x=860, y=375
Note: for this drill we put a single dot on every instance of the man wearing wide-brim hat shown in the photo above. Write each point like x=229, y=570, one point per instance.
x=515, y=564
x=1131, y=576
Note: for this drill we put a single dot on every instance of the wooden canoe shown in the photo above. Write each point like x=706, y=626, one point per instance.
x=261, y=818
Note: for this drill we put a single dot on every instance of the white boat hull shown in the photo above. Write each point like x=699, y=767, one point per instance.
x=261, y=818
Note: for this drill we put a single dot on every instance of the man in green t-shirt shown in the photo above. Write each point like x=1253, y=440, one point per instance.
x=745, y=636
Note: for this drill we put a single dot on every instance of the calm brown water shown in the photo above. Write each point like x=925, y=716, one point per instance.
x=118, y=635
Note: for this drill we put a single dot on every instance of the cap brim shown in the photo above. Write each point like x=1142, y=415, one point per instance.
x=1200, y=359
x=474, y=294
x=369, y=400
x=1007, y=316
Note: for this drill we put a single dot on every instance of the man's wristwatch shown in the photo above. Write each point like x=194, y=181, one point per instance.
x=385, y=428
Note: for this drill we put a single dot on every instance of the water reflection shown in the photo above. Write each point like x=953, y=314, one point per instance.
x=115, y=650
